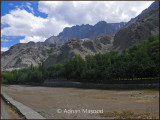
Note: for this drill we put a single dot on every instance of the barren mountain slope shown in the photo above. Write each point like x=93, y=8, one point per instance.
x=23, y=55
x=82, y=47
x=146, y=24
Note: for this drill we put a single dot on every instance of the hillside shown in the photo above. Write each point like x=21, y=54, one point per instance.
x=79, y=46
x=144, y=25
x=23, y=55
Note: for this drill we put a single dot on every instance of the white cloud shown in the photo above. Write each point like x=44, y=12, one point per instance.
x=64, y=14
x=4, y=49
x=33, y=38
x=84, y=12
x=23, y=23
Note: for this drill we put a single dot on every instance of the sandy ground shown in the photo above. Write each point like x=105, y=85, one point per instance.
x=48, y=100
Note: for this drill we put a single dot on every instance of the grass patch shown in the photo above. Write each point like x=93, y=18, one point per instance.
x=41, y=113
x=126, y=114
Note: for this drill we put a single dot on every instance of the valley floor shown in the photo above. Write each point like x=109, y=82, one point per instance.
x=48, y=101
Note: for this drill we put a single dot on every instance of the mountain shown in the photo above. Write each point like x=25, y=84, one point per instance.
x=89, y=31
x=58, y=49
x=23, y=55
x=85, y=31
x=139, y=28
x=82, y=47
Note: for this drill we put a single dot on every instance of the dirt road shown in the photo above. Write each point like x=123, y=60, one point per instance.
x=48, y=101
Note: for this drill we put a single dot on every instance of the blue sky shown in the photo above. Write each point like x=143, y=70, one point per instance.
x=24, y=21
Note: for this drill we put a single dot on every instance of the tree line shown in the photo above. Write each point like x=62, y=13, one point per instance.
x=138, y=62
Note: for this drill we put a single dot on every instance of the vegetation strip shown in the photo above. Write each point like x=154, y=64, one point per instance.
x=139, y=62
x=127, y=114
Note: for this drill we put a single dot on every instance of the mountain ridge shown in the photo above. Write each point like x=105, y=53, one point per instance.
x=144, y=25
x=85, y=31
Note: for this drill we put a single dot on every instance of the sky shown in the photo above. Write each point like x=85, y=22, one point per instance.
x=25, y=21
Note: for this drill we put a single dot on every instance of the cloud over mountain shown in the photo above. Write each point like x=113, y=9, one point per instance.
x=60, y=14
x=84, y=12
